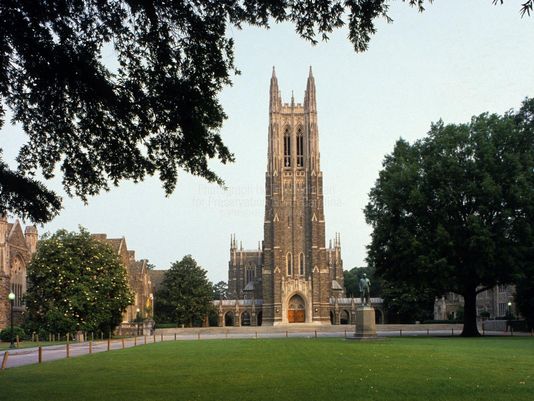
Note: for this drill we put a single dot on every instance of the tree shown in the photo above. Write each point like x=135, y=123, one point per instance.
x=524, y=296
x=186, y=294
x=220, y=290
x=405, y=304
x=455, y=210
x=75, y=283
x=352, y=278
x=154, y=108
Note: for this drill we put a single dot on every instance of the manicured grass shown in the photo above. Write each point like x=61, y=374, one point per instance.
x=288, y=369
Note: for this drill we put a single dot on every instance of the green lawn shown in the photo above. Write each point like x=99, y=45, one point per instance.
x=288, y=369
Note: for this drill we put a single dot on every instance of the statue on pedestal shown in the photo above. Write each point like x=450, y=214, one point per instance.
x=365, y=287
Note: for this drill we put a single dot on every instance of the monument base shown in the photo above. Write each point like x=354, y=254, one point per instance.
x=365, y=322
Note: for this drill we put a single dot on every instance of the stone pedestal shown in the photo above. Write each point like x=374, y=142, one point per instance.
x=365, y=322
x=148, y=327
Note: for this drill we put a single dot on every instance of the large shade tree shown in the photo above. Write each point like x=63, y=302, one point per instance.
x=185, y=295
x=151, y=105
x=75, y=283
x=455, y=210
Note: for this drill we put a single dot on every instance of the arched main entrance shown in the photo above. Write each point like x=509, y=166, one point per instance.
x=296, y=310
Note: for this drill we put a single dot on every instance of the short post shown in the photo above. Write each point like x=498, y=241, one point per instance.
x=109, y=343
x=256, y=334
x=198, y=335
x=174, y=336
x=4, y=360
x=452, y=332
x=18, y=341
x=162, y=336
x=154, y=340
x=315, y=333
x=483, y=330
x=40, y=354
x=145, y=340
x=90, y=347
x=135, y=341
x=345, y=333
x=400, y=332
x=226, y=334
x=68, y=350
x=122, y=342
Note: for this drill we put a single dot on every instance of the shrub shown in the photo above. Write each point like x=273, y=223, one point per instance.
x=5, y=335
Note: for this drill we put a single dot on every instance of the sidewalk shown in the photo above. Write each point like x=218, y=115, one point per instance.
x=28, y=356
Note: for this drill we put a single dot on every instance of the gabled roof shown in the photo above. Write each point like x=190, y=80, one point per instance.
x=15, y=235
x=156, y=276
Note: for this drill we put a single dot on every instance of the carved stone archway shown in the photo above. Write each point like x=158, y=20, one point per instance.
x=296, y=309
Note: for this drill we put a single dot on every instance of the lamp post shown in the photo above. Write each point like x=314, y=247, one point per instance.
x=11, y=298
x=137, y=319
x=509, y=309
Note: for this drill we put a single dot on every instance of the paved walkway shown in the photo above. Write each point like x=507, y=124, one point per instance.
x=28, y=356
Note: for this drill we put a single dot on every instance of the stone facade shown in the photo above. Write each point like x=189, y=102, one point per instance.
x=492, y=302
x=292, y=277
x=138, y=279
x=16, y=250
x=248, y=312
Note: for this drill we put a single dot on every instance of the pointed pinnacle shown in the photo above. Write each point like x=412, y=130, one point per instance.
x=311, y=74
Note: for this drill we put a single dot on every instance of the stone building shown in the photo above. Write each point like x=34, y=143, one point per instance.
x=16, y=250
x=292, y=277
x=493, y=303
x=138, y=279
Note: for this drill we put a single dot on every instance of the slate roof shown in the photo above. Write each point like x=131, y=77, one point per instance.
x=156, y=277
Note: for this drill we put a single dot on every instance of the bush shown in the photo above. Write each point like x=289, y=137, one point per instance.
x=166, y=325
x=5, y=335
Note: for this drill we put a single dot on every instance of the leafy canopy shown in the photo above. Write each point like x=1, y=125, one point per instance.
x=455, y=210
x=75, y=283
x=111, y=90
x=185, y=296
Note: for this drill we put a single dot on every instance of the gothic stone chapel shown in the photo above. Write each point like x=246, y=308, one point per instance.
x=292, y=277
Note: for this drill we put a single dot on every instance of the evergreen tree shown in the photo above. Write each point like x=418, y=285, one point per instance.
x=185, y=296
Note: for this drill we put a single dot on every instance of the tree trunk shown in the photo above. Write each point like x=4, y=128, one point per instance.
x=470, y=313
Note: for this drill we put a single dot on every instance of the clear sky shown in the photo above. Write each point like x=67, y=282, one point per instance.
x=457, y=59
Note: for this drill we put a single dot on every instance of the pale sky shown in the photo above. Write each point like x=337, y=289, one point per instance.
x=457, y=59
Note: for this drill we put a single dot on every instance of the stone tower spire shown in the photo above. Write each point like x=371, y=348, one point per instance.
x=275, y=101
x=295, y=276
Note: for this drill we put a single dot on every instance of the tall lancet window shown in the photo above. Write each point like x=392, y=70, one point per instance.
x=301, y=264
x=287, y=148
x=300, y=148
x=289, y=264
